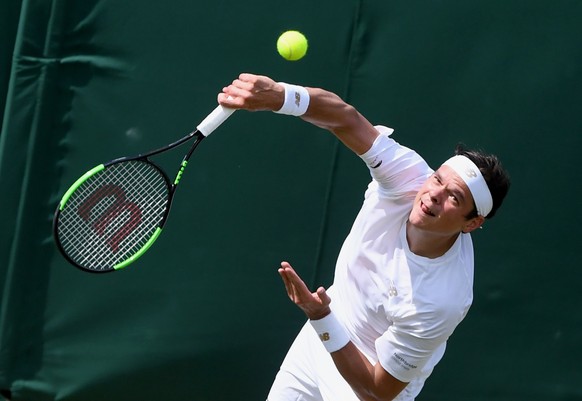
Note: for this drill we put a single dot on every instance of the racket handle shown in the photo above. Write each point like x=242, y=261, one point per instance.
x=214, y=119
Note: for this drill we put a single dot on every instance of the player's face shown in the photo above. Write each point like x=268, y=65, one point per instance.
x=442, y=204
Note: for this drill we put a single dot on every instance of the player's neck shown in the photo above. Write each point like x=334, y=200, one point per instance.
x=428, y=244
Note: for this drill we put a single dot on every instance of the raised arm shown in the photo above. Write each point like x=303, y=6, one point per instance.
x=326, y=110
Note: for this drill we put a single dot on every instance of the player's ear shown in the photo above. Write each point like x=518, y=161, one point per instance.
x=473, y=224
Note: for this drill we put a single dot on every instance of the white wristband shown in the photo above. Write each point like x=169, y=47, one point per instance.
x=331, y=333
x=296, y=100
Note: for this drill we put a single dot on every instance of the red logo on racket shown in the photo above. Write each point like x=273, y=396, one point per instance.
x=120, y=205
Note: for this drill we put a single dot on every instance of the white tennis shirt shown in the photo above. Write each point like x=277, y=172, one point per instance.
x=399, y=308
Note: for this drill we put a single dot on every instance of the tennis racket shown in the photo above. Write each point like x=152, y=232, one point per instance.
x=114, y=212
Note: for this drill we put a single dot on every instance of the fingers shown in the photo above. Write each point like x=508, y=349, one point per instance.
x=252, y=92
x=292, y=278
x=246, y=77
x=286, y=282
x=322, y=294
x=294, y=286
x=298, y=290
x=286, y=266
x=236, y=94
x=232, y=97
x=315, y=305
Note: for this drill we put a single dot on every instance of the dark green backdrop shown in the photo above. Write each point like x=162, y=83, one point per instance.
x=203, y=315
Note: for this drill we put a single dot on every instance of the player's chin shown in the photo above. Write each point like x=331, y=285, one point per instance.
x=419, y=218
x=414, y=218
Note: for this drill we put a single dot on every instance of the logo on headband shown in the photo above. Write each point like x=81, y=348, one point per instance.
x=469, y=172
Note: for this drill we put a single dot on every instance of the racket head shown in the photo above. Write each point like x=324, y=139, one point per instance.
x=112, y=214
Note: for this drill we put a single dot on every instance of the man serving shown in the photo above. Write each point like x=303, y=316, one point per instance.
x=404, y=276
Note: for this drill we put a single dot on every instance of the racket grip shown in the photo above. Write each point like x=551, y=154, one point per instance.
x=214, y=119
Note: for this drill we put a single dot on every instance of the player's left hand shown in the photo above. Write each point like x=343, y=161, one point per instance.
x=314, y=304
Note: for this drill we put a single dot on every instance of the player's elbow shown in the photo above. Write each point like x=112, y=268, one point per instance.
x=328, y=111
x=371, y=396
x=383, y=387
x=348, y=120
x=378, y=394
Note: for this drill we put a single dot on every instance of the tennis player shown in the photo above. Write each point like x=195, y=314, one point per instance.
x=404, y=276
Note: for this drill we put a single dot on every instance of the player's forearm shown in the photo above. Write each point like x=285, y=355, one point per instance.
x=328, y=111
x=369, y=382
x=324, y=109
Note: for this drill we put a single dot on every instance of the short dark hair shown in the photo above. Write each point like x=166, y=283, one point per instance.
x=495, y=175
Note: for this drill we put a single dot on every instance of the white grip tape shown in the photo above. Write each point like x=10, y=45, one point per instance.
x=214, y=119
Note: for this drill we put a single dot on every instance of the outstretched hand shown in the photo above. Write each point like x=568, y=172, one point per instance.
x=314, y=304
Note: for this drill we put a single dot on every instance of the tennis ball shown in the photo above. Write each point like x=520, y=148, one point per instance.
x=292, y=45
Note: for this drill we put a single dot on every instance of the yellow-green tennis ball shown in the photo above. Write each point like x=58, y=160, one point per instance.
x=292, y=45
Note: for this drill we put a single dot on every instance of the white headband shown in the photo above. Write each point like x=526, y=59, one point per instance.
x=470, y=173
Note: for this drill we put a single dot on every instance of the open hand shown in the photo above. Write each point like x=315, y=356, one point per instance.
x=314, y=304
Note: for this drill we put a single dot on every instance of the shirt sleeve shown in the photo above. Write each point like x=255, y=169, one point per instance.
x=406, y=347
x=397, y=169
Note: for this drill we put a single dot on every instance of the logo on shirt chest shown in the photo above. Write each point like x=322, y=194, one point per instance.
x=392, y=291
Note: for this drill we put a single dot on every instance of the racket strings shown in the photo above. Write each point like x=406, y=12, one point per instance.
x=113, y=214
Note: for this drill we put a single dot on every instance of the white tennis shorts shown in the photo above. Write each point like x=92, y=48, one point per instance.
x=309, y=374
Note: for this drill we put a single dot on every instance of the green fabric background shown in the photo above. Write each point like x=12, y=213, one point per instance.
x=203, y=315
